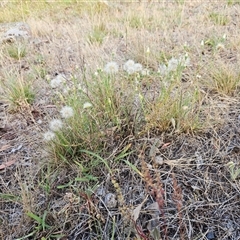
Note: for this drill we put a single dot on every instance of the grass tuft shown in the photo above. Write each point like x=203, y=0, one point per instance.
x=18, y=92
x=225, y=79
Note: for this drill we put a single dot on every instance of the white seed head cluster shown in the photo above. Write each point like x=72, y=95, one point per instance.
x=131, y=67
x=145, y=72
x=162, y=69
x=87, y=105
x=55, y=125
x=111, y=68
x=49, y=136
x=66, y=112
x=173, y=64
x=57, y=81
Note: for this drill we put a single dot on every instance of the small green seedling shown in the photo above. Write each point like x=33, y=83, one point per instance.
x=235, y=173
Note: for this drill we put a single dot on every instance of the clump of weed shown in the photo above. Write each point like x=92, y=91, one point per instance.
x=214, y=43
x=18, y=91
x=224, y=79
x=219, y=19
x=16, y=51
x=232, y=2
x=174, y=107
x=100, y=112
x=177, y=111
x=98, y=34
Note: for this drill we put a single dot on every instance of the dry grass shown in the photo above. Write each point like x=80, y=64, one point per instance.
x=164, y=146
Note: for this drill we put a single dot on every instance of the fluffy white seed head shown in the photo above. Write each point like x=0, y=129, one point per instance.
x=66, y=112
x=130, y=70
x=111, y=68
x=184, y=60
x=162, y=69
x=57, y=81
x=87, y=105
x=173, y=64
x=49, y=136
x=138, y=67
x=128, y=64
x=145, y=72
x=55, y=125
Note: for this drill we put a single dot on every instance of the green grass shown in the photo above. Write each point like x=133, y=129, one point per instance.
x=224, y=80
x=18, y=91
x=16, y=51
x=98, y=34
x=219, y=19
x=21, y=10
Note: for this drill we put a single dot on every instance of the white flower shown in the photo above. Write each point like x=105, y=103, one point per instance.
x=131, y=67
x=82, y=88
x=48, y=136
x=48, y=77
x=130, y=64
x=87, y=105
x=220, y=46
x=67, y=112
x=55, y=125
x=130, y=70
x=198, y=76
x=111, y=67
x=173, y=64
x=57, y=81
x=163, y=69
x=187, y=61
x=184, y=60
x=145, y=72
x=66, y=90
x=138, y=67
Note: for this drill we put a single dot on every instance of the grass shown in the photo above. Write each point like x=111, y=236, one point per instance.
x=226, y=80
x=16, y=51
x=18, y=92
x=124, y=124
x=219, y=18
x=98, y=34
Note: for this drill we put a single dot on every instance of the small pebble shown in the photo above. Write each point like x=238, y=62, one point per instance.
x=110, y=200
x=210, y=235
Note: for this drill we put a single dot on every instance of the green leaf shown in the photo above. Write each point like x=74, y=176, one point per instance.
x=41, y=221
x=65, y=185
x=98, y=157
x=10, y=197
x=27, y=236
x=87, y=178
x=133, y=167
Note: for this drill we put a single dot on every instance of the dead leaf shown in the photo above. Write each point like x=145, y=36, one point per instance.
x=7, y=164
x=137, y=210
x=165, y=145
x=5, y=147
x=154, y=206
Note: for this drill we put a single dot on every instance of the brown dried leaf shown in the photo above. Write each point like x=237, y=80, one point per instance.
x=5, y=147
x=137, y=210
x=7, y=164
